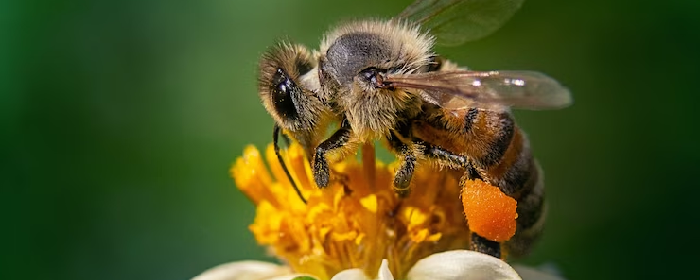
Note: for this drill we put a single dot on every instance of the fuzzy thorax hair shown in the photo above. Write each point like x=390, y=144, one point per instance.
x=389, y=47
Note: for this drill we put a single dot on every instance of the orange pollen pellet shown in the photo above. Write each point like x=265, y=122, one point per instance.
x=489, y=212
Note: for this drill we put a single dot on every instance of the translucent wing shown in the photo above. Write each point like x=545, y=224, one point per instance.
x=454, y=22
x=463, y=88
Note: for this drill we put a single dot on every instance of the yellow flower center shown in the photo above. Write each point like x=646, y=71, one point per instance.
x=357, y=220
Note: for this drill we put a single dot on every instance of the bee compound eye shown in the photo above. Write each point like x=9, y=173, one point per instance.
x=284, y=92
x=282, y=88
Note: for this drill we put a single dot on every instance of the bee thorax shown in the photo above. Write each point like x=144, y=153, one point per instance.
x=351, y=53
x=374, y=115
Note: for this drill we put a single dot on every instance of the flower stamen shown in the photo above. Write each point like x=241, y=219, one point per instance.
x=355, y=222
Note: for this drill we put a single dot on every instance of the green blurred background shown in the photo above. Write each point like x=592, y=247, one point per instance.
x=120, y=120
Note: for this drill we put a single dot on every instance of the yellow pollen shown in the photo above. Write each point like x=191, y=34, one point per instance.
x=357, y=220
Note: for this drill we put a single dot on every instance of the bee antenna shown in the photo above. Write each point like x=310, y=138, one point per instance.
x=275, y=140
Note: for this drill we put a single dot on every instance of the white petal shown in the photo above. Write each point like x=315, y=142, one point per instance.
x=462, y=265
x=357, y=274
x=350, y=274
x=529, y=273
x=245, y=270
x=384, y=273
x=287, y=277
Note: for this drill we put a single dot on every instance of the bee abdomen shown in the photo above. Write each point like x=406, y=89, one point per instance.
x=517, y=174
x=530, y=199
x=531, y=215
x=504, y=128
x=469, y=119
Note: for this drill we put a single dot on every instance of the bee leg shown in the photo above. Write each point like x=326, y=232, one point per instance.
x=483, y=245
x=478, y=243
x=402, y=178
x=275, y=140
x=337, y=140
x=452, y=160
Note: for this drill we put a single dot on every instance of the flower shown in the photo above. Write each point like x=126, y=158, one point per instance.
x=356, y=228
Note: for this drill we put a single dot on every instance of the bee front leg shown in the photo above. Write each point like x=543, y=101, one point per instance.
x=336, y=141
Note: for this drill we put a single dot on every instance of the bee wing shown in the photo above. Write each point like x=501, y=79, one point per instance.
x=463, y=88
x=454, y=22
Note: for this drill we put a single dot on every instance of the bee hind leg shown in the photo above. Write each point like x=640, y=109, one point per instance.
x=457, y=161
x=485, y=246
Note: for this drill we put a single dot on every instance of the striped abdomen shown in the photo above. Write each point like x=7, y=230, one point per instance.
x=500, y=155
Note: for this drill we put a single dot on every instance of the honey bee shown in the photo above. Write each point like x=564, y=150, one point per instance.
x=382, y=80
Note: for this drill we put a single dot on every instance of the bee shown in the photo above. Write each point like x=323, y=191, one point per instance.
x=382, y=80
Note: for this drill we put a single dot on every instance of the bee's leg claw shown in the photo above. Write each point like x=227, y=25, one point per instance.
x=483, y=245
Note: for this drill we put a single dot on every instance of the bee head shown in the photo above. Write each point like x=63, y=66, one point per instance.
x=287, y=82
